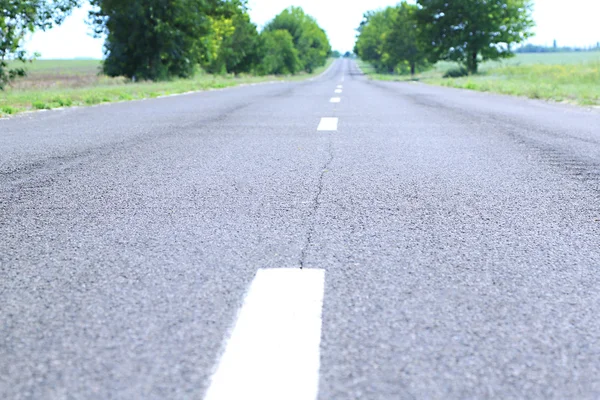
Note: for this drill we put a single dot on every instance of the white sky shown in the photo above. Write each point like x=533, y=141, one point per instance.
x=575, y=24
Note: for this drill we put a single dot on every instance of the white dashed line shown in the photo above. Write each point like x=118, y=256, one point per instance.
x=335, y=100
x=274, y=349
x=328, y=124
x=338, y=91
x=340, y=86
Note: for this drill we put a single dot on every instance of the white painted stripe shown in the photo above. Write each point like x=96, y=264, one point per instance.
x=335, y=100
x=328, y=124
x=274, y=349
x=338, y=91
x=340, y=86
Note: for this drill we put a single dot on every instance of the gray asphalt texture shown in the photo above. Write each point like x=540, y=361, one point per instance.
x=459, y=231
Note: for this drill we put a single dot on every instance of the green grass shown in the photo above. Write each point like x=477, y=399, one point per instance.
x=563, y=77
x=65, y=83
x=65, y=66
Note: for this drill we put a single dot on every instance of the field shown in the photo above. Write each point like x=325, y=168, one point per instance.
x=562, y=77
x=64, y=83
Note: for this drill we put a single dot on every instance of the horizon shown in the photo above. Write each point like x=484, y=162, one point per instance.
x=339, y=19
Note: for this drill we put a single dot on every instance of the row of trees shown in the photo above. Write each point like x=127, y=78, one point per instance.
x=163, y=39
x=533, y=48
x=409, y=37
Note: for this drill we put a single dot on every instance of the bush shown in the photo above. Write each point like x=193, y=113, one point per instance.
x=40, y=105
x=7, y=110
x=457, y=72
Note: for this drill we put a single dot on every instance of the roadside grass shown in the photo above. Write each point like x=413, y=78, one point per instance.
x=562, y=77
x=65, y=83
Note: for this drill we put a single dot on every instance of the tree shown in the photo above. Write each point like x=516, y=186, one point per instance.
x=371, y=41
x=471, y=31
x=404, y=44
x=234, y=42
x=242, y=48
x=279, y=55
x=160, y=39
x=17, y=19
x=309, y=39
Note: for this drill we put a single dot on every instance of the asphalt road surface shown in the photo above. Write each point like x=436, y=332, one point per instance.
x=449, y=240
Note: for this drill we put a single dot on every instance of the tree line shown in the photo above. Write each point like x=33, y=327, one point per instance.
x=411, y=37
x=165, y=39
x=533, y=48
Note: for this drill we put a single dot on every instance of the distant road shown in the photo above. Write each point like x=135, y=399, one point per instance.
x=449, y=240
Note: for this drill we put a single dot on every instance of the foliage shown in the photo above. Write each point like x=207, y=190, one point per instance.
x=153, y=39
x=371, y=42
x=162, y=39
x=309, y=39
x=403, y=43
x=456, y=72
x=20, y=17
x=470, y=31
x=279, y=55
x=390, y=40
x=166, y=39
x=233, y=42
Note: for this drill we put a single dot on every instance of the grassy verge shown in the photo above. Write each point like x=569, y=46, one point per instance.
x=562, y=77
x=54, y=84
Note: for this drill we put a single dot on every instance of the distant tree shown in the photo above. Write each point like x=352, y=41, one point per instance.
x=403, y=44
x=309, y=39
x=17, y=19
x=372, y=37
x=471, y=31
x=533, y=48
x=336, y=54
x=279, y=55
x=232, y=44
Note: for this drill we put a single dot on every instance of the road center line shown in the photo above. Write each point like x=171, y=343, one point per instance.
x=328, y=124
x=335, y=100
x=340, y=86
x=274, y=350
x=338, y=91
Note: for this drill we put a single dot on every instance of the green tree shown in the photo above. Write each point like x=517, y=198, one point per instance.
x=159, y=39
x=17, y=19
x=371, y=42
x=309, y=39
x=404, y=45
x=471, y=31
x=242, y=47
x=236, y=40
x=279, y=55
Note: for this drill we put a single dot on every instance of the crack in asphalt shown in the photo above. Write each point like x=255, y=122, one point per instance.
x=316, y=203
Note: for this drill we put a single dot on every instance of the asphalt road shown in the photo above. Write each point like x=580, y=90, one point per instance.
x=459, y=234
